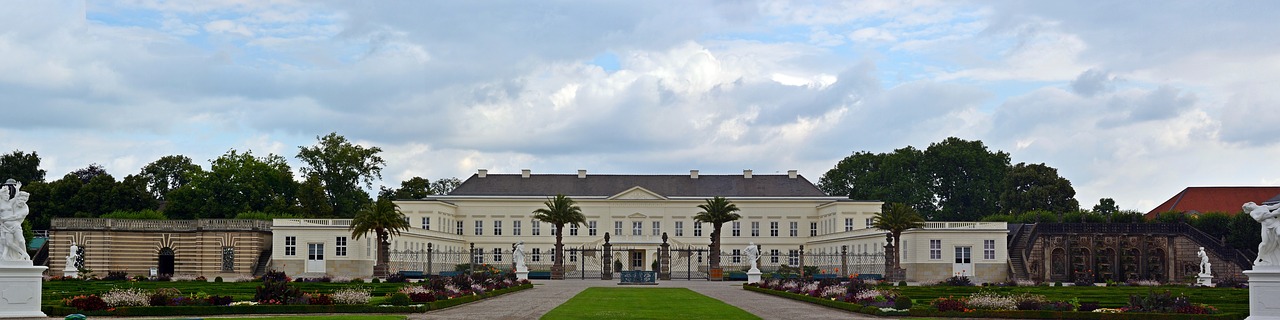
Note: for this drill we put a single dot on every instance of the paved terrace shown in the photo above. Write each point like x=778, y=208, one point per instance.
x=546, y=295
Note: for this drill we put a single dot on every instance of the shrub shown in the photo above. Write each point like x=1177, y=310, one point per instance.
x=949, y=304
x=1230, y=281
x=991, y=301
x=217, y=279
x=1057, y=283
x=351, y=296
x=116, y=276
x=275, y=289
x=374, y=280
x=396, y=278
x=86, y=303
x=126, y=297
x=184, y=277
x=422, y=297
x=356, y=280
x=902, y=283
x=1164, y=302
x=324, y=279
x=398, y=299
x=1088, y=306
x=276, y=276
x=902, y=303
x=957, y=281
x=319, y=299
x=218, y=300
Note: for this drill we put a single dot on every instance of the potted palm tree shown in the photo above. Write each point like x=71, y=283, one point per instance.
x=896, y=218
x=716, y=211
x=384, y=219
x=560, y=211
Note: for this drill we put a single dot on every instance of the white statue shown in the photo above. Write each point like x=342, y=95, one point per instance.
x=13, y=209
x=73, y=256
x=753, y=254
x=1205, y=267
x=517, y=254
x=1269, y=248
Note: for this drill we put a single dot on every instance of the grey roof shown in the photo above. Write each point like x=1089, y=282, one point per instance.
x=666, y=185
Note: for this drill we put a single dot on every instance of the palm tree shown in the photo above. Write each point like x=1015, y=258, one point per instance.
x=384, y=219
x=716, y=211
x=560, y=211
x=896, y=218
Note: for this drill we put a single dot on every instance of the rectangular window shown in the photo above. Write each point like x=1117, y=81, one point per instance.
x=617, y=228
x=573, y=229
x=657, y=228
x=989, y=249
x=795, y=229
x=537, y=254
x=793, y=257
x=426, y=223
x=497, y=227
x=679, y=228
x=637, y=228
x=477, y=256
x=290, y=246
x=553, y=254
x=737, y=256
x=848, y=224
x=962, y=254
x=536, y=226
x=341, y=248
x=773, y=228
x=515, y=227
x=553, y=230
x=497, y=254
x=813, y=229
x=755, y=228
x=870, y=222
x=935, y=249
x=697, y=229
x=315, y=251
x=591, y=228
x=573, y=255
x=737, y=228
x=459, y=223
x=773, y=256
x=479, y=227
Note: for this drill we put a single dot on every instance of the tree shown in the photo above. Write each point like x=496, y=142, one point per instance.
x=236, y=182
x=1030, y=187
x=384, y=219
x=716, y=211
x=966, y=177
x=311, y=199
x=1216, y=224
x=559, y=211
x=891, y=177
x=131, y=194
x=21, y=166
x=1107, y=208
x=343, y=167
x=88, y=173
x=444, y=186
x=169, y=173
x=414, y=188
x=896, y=218
x=1245, y=233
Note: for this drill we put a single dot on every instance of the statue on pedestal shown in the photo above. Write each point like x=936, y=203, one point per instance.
x=1269, y=248
x=13, y=210
x=753, y=254
x=1205, y=267
x=517, y=254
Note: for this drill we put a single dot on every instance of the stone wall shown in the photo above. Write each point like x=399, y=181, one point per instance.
x=122, y=245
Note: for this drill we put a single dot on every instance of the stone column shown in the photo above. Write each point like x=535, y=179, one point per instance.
x=471, y=260
x=844, y=260
x=607, y=260
x=430, y=254
x=664, y=259
x=802, y=262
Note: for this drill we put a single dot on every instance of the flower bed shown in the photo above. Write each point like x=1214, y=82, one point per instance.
x=886, y=301
x=276, y=294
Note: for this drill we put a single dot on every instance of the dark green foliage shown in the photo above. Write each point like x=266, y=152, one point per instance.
x=1080, y=216
x=275, y=289
x=217, y=279
x=374, y=280
x=902, y=283
x=116, y=276
x=169, y=173
x=902, y=302
x=146, y=214
x=949, y=304
x=1245, y=234
x=396, y=278
x=957, y=281
x=320, y=299
x=343, y=168
x=1172, y=217
x=236, y=182
x=398, y=299
x=1215, y=224
x=1163, y=302
x=21, y=166
x=1029, y=187
x=87, y=303
x=899, y=177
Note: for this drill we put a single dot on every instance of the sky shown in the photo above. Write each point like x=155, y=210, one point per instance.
x=1131, y=100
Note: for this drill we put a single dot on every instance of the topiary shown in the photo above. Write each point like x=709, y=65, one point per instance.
x=217, y=279
x=902, y=283
x=902, y=303
x=375, y=280
x=398, y=299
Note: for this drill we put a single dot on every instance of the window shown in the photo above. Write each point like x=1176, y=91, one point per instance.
x=773, y=228
x=935, y=249
x=657, y=228
x=553, y=254
x=755, y=228
x=962, y=255
x=459, y=227
x=737, y=256
x=573, y=255
x=553, y=229
x=793, y=257
x=497, y=227
x=989, y=249
x=679, y=228
x=573, y=229
x=315, y=251
x=537, y=254
x=697, y=229
x=870, y=221
x=617, y=228
x=637, y=228
x=479, y=227
x=737, y=228
x=795, y=229
x=773, y=256
x=813, y=229
x=290, y=246
x=515, y=227
x=341, y=248
x=426, y=223
x=591, y=228
x=536, y=226
x=497, y=254
x=477, y=256
x=848, y=224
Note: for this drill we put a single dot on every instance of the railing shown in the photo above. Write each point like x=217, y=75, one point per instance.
x=964, y=225
x=41, y=233
x=314, y=222
x=159, y=225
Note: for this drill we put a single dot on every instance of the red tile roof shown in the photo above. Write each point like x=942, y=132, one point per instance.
x=1215, y=199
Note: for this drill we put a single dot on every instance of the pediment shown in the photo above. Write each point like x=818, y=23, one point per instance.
x=637, y=193
x=637, y=215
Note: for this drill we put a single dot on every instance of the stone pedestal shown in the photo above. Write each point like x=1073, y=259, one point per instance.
x=70, y=272
x=1264, y=287
x=522, y=275
x=1205, y=280
x=20, y=286
x=753, y=275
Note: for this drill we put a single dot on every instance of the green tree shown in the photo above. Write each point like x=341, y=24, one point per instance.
x=1106, y=207
x=131, y=194
x=88, y=173
x=1216, y=224
x=343, y=167
x=384, y=219
x=716, y=211
x=966, y=178
x=21, y=166
x=236, y=182
x=1036, y=187
x=414, y=188
x=444, y=186
x=1245, y=233
x=312, y=201
x=890, y=177
x=1038, y=216
x=896, y=218
x=1128, y=216
x=559, y=211
x=94, y=198
x=169, y=173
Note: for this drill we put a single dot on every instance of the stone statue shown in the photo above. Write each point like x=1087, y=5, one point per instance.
x=73, y=257
x=1269, y=248
x=13, y=210
x=517, y=254
x=1205, y=267
x=753, y=254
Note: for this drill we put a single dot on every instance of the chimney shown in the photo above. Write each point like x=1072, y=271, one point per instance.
x=746, y=174
x=792, y=174
x=582, y=174
x=482, y=173
x=524, y=173
x=693, y=174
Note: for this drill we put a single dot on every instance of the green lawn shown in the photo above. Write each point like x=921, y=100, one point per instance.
x=342, y=317
x=1225, y=299
x=55, y=291
x=645, y=303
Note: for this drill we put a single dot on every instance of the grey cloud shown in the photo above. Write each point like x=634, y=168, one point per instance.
x=1250, y=118
x=1164, y=102
x=1093, y=82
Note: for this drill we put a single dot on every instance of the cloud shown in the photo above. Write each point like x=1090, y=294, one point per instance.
x=1092, y=82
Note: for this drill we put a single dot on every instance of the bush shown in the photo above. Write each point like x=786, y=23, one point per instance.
x=319, y=299
x=949, y=304
x=275, y=289
x=422, y=297
x=86, y=303
x=218, y=300
x=398, y=299
x=1164, y=302
x=1230, y=281
x=126, y=297
x=217, y=279
x=902, y=283
x=357, y=280
x=396, y=278
x=351, y=296
x=1088, y=306
x=902, y=303
x=957, y=281
x=116, y=276
x=375, y=280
